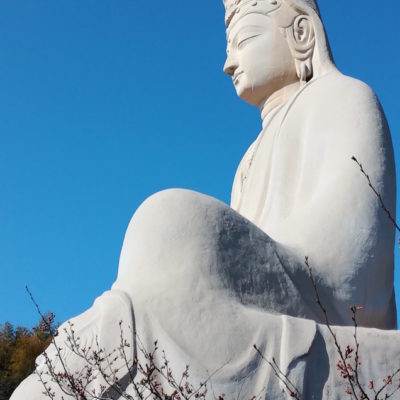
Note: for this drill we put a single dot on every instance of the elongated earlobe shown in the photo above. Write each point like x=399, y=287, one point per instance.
x=301, y=41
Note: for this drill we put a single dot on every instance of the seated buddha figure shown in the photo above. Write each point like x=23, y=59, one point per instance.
x=297, y=192
x=208, y=280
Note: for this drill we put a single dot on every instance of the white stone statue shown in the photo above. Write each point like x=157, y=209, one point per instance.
x=208, y=281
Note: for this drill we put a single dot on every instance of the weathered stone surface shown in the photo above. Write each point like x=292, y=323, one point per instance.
x=208, y=281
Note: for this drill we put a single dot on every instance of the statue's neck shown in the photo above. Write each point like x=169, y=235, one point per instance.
x=277, y=99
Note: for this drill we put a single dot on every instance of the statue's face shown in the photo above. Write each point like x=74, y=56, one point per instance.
x=258, y=58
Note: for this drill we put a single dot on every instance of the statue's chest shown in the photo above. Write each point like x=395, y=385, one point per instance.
x=252, y=181
x=270, y=173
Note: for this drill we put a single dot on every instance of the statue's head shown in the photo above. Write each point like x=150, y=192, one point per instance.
x=272, y=44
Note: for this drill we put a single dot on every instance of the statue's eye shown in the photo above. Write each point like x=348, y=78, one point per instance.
x=244, y=39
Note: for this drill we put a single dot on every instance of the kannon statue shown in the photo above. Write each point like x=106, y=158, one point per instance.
x=208, y=280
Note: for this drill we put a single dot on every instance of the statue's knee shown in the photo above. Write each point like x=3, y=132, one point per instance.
x=172, y=230
x=165, y=204
x=170, y=219
x=174, y=209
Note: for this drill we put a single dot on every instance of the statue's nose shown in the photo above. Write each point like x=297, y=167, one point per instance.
x=230, y=65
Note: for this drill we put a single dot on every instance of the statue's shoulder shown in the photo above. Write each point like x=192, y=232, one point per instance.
x=337, y=92
x=339, y=117
x=345, y=107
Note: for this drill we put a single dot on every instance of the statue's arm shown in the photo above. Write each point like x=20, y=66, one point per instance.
x=341, y=226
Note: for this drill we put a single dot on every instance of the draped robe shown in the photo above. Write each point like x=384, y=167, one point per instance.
x=208, y=281
x=299, y=184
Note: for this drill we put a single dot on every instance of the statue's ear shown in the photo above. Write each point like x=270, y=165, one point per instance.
x=301, y=39
x=303, y=32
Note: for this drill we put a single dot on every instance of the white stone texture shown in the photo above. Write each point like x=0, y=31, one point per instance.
x=208, y=281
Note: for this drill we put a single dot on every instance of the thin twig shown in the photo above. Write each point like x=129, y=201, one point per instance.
x=292, y=391
x=354, y=310
x=387, y=383
x=72, y=383
x=378, y=195
x=328, y=325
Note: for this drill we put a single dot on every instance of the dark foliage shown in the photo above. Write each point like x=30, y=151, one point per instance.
x=19, y=347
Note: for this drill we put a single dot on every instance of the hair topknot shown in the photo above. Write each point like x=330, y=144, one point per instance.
x=233, y=6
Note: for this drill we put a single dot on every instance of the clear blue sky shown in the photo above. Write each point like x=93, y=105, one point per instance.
x=104, y=102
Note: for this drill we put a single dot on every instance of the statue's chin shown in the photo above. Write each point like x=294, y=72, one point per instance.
x=258, y=91
x=249, y=94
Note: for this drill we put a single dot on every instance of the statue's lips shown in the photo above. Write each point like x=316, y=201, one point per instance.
x=236, y=77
